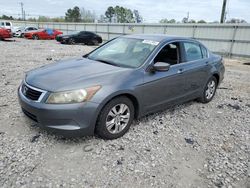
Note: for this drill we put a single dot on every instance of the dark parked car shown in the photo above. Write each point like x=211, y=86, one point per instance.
x=126, y=78
x=85, y=37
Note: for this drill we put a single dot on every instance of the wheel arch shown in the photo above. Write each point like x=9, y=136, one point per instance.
x=217, y=76
x=127, y=94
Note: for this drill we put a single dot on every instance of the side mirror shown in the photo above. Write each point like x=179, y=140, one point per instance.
x=161, y=66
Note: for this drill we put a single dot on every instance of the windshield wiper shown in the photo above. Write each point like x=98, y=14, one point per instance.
x=107, y=62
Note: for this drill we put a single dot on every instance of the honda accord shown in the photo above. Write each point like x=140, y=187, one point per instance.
x=125, y=78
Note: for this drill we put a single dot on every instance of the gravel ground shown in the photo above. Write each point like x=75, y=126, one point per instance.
x=190, y=145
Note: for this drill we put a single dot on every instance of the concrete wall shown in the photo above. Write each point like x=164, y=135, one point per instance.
x=227, y=39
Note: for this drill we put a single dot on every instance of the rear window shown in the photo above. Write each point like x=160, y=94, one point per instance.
x=193, y=51
x=204, y=52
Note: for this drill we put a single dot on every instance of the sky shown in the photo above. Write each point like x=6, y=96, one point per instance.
x=151, y=10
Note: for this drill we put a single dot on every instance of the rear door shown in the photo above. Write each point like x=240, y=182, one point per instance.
x=83, y=37
x=195, y=67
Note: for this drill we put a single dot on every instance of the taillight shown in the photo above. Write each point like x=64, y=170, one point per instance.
x=222, y=61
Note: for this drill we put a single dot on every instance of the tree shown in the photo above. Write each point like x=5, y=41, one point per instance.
x=58, y=19
x=120, y=14
x=4, y=17
x=191, y=21
x=172, y=21
x=87, y=16
x=103, y=19
x=185, y=20
x=110, y=12
x=201, y=21
x=43, y=19
x=236, y=20
x=73, y=15
x=138, y=17
x=165, y=20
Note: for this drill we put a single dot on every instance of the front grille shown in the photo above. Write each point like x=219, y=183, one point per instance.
x=30, y=93
x=31, y=116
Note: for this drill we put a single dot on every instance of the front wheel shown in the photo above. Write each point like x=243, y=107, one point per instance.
x=209, y=90
x=35, y=37
x=115, y=118
x=95, y=42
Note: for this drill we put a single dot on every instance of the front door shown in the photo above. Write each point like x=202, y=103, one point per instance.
x=163, y=88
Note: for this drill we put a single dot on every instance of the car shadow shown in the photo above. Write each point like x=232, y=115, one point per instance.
x=8, y=40
x=84, y=139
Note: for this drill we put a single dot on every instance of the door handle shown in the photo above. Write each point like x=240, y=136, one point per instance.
x=180, y=71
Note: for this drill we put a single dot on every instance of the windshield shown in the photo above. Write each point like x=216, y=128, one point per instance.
x=73, y=32
x=124, y=52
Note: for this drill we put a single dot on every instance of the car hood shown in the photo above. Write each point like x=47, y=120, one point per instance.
x=73, y=74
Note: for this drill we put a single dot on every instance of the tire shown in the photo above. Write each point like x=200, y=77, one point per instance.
x=109, y=122
x=71, y=41
x=22, y=35
x=35, y=37
x=95, y=42
x=209, y=90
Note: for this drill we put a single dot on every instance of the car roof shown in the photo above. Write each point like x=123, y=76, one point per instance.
x=156, y=37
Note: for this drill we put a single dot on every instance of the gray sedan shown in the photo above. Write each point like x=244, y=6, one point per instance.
x=126, y=78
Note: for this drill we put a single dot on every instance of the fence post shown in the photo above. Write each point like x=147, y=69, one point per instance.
x=165, y=29
x=235, y=27
x=194, y=29
x=123, y=29
x=108, y=30
x=143, y=28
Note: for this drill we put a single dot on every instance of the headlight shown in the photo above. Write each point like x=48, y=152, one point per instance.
x=75, y=96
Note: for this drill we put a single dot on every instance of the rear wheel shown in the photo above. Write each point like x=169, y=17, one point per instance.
x=22, y=35
x=209, y=90
x=95, y=42
x=71, y=41
x=35, y=37
x=115, y=118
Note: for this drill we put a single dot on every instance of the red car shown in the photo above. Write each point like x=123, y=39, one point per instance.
x=42, y=34
x=4, y=33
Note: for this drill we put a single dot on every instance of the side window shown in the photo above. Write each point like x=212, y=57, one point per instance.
x=2, y=24
x=90, y=34
x=193, y=51
x=83, y=33
x=204, y=52
x=169, y=54
x=7, y=23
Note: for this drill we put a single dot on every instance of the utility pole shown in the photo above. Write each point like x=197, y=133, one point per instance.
x=187, y=17
x=22, y=11
x=223, y=11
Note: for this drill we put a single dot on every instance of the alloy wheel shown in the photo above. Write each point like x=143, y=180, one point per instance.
x=209, y=93
x=117, y=118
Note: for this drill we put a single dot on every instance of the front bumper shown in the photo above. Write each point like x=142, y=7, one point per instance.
x=65, y=119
